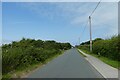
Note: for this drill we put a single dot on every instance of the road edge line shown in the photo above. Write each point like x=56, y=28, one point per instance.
x=92, y=64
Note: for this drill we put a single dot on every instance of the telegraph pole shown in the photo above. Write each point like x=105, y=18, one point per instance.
x=90, y=34
x=79, y=40
x=90, y=26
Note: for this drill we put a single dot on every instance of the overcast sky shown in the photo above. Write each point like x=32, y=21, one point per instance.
x=60, y=21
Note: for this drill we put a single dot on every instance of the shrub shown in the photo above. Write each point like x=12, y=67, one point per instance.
x=26, y=52
x=109, y=48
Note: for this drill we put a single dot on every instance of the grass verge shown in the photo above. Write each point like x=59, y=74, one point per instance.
x=23, y=72
x=113, y=63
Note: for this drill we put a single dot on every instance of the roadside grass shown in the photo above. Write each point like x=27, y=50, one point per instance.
x=113, y=63
x=23, y=72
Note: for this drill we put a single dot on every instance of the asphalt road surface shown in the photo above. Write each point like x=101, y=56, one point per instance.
x=71, y=64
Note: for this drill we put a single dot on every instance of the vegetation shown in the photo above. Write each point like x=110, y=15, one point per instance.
x=113, y=63
x=26, y=52
x=86, y=46
x=107, y=49
x=82, y=54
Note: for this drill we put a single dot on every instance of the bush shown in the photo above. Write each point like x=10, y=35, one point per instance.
x=10, y=59
x=107, y=48
x=26, y=52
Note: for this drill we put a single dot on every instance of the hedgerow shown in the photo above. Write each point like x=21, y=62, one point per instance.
x=109, y=48
x=26, y=52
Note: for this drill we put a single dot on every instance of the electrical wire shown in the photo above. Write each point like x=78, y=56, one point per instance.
x=84, y=28
x=95, y=8
x=90, y=16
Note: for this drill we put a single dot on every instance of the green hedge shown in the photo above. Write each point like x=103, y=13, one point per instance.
x=26, y=52
x=109, y=48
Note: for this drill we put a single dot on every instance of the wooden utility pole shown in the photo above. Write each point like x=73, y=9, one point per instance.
x=90, y=34
x=79, y=40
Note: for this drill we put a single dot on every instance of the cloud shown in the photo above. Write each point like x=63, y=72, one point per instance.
x=105, y=17
x=79, y=20
x=106, y=13
x=50, y=10
x=77, y=13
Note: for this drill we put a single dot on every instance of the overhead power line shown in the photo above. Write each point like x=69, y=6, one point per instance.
x=85, y=25
x=95, y=8
x=90, y=16
x=84, y=28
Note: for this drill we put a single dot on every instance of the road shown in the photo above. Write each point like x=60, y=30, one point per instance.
x=71, y=64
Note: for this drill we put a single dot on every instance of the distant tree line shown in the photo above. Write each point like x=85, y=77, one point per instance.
x=109, y=48
x=26, y=52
